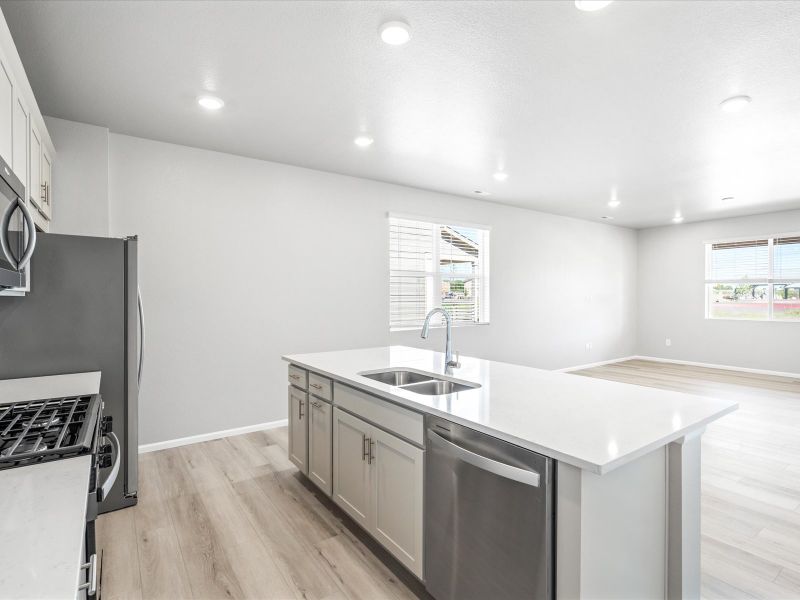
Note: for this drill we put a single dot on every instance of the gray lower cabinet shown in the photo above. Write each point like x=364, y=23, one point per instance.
x=377, y=480
x=298, y=428
x=320, y=443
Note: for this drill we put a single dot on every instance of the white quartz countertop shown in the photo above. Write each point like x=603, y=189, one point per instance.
x=590, y=423
x=51, y=386
x=43, y=507
x=42, y=516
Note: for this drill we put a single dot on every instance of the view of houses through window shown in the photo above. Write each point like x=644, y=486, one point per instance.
x=434, y=264
x=754, y=279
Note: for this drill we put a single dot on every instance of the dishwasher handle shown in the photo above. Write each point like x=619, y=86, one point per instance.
x=498, y=468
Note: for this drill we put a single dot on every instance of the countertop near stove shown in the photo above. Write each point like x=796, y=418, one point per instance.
x=42, y=516
x=43, y=507
x=592, y=424
x=51, y=386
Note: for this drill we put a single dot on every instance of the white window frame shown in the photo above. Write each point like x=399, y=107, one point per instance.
x=434, y=295
x=769, y=280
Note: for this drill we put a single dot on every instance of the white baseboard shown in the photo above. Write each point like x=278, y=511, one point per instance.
x=214, y=435
x=693, y=363
x=595, y=364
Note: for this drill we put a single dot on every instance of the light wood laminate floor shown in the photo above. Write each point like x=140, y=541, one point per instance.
x=232, y=518
x=750, y=476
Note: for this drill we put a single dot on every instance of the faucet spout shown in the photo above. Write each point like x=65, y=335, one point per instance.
x=449, y=363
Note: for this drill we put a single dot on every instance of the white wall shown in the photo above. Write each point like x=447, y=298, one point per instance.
x=672, y=299
x=244, y=260
x=80, y=178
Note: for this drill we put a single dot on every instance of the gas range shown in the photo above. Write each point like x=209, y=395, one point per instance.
x=37, y=431
x=42, y=430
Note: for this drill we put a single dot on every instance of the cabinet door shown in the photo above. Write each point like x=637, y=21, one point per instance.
x=320, y=444
x=298, y=428
x=21, y=132
x=6, y=114
x=397, y=473
x=47, y=175
x=35, y=150
x=351, y=477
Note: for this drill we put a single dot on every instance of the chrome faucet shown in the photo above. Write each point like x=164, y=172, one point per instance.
x=449, y=363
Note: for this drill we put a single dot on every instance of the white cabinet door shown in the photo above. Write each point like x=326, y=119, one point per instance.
x=298, y=428
x=351, y=477
x=320, y=444
x=397, y=476
x=21, y=132
x=6, y=114
x=46, y=188
x=35, y=150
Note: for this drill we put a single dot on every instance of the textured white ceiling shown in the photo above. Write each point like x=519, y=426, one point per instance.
x=574, y=106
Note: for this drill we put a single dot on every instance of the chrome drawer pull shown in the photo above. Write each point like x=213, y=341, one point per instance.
x=316, y=386
x=91, y=585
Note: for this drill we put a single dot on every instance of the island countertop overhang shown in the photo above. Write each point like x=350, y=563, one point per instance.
x=592, y=424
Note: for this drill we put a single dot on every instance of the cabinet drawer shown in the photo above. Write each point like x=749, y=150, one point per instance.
x=383, y=413
x=320, y=386
x=298, y=377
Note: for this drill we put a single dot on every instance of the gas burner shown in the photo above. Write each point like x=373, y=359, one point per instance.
x=43, y=423
x=32, y=432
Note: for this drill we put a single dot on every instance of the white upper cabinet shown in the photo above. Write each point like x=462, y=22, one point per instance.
x=6, y=114
x=35, y=182
x=25, y=143
x=21, y=161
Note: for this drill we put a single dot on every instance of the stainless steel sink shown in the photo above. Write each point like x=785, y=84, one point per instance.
x=420, y=383
x=438, y=387
x=398, y=378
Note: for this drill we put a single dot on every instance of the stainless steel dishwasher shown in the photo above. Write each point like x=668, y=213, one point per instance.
x=489, y=520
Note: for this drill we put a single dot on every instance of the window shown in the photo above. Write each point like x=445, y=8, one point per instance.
x=754, y=279
x=432, y=265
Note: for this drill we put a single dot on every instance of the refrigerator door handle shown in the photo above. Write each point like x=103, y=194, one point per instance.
x=4, y=231
x=141, y=336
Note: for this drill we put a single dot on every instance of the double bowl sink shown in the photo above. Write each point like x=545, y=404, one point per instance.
x=420, y=383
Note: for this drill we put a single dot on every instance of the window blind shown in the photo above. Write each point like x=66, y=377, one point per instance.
x=786, y=261
x=436, y=265
x=740, y=260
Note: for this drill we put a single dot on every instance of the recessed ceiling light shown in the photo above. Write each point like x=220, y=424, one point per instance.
x=210, y=102
x=677, y=219
x=591, y=5
x=363, y=141
x=395, y=33
x=482, y=193
x=735, y=103
x=607, y=217
x=500, y=176
x=614, y=203
x=727, y=198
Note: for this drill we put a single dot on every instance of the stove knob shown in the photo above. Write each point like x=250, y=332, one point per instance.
x=104, y=461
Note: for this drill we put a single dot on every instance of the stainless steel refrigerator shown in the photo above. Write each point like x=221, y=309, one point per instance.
x=83, y=313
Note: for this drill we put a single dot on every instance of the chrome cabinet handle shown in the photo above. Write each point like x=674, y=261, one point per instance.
x=91, y=585
x=4, y=231
x=300, y=409
x=371, y=453
x=364, y=450
x=316, y=386
x=482, y=462
x=293, y=376
x=141, y=336
x=104, y=490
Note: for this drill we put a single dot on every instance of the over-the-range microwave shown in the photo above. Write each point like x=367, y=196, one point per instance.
x=17, y=234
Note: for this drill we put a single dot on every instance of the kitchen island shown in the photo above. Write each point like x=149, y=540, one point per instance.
x=627, y=476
